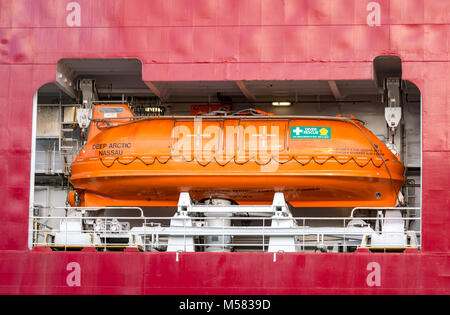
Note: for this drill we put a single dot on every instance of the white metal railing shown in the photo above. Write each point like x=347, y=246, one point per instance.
x=237, y=233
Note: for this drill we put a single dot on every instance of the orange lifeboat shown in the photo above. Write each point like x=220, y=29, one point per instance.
x=314, y=161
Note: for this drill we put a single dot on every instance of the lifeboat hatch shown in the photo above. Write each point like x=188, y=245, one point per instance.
x=243, y=165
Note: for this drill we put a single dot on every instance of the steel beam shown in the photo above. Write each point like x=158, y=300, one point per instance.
x=104, y=91
x=64, y=80
x=335, y=90
x=157, y=91
x=241, y=85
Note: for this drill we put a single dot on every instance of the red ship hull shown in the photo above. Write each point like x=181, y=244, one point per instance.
x=224, y=40
x=40, y=272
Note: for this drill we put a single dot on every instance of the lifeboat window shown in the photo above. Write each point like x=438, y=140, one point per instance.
x=111, y=110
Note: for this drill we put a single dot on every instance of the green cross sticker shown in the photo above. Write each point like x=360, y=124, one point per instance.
x=300, y=132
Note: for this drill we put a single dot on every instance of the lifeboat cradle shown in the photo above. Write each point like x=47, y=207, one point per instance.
x=219, y=226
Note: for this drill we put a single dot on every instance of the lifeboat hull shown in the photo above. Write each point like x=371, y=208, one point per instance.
x=148, y=162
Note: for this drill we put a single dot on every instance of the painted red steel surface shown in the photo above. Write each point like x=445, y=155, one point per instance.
x=224, y=40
